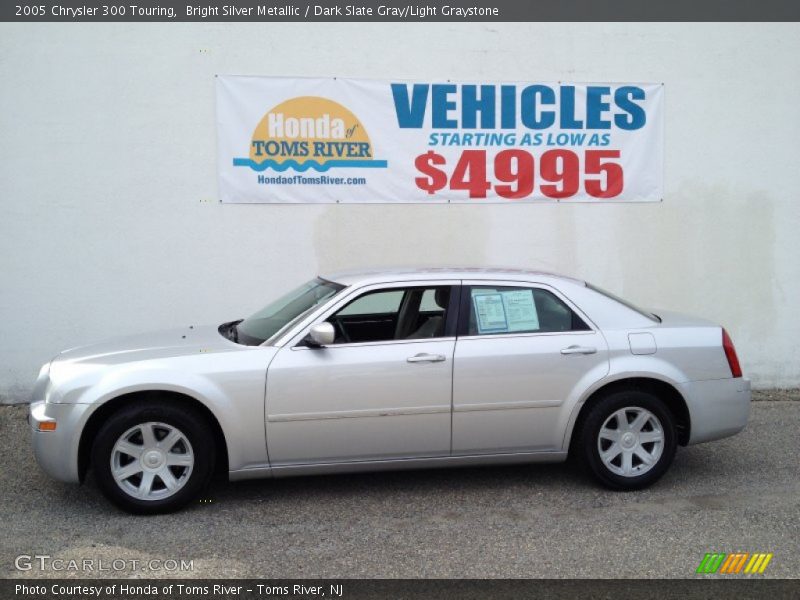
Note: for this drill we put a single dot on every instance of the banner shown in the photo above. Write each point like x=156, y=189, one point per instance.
x=289, y=140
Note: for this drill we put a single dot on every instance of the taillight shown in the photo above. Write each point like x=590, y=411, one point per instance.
x=730, y=354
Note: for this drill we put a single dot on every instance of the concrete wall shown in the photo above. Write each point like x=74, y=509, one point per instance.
x=110, y=223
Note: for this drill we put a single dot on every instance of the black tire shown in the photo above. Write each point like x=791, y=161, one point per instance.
x=587, y=448
x=191, y=424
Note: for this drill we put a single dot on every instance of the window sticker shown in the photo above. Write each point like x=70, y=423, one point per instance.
x=505, y=312
x=490, y=312
x=520, y=310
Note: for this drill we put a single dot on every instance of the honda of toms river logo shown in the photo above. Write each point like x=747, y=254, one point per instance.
x=309, y=132
x=738, y=562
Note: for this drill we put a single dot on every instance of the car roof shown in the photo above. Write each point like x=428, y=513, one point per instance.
x=384, y=275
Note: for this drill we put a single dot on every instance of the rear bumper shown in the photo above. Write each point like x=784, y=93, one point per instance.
x=718, y=408
x=57, y=451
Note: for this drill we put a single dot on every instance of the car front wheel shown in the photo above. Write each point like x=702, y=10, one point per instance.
x=628, y=439
x=151, y=458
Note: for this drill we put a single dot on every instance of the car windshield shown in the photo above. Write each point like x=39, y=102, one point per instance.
x=275, y=316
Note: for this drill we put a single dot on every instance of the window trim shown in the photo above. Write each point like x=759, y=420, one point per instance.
x=299, y=346
x=465, y=301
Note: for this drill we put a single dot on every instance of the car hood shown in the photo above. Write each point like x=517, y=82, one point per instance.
x=146, y=346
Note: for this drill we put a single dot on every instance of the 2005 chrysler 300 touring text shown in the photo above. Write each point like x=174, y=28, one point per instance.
x=391, y=369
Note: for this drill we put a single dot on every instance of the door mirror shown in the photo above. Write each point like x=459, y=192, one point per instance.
x=320, y=334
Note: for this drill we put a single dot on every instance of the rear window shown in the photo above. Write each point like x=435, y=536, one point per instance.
x=625, y=303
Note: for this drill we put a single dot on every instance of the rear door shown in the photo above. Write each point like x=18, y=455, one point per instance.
x=521, y=351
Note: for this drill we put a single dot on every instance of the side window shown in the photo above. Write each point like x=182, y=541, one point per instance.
x=509, y=309
x=393, y=314
x=374, y=303
x=429, y=303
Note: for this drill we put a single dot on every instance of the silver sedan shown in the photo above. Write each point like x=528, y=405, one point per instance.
x=387, y=370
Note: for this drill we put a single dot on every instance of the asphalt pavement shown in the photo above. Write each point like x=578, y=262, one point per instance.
x=741, y=494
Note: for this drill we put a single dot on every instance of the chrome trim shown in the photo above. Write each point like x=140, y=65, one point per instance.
x=380, y=343
x=423, y=357
x=353, y=414
x=415, y=463
x=579, y=350
x=253, y=472
x=507, y=405
x=490, y=336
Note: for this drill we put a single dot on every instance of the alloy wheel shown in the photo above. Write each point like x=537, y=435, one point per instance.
x=152, y=461
x=631, y=441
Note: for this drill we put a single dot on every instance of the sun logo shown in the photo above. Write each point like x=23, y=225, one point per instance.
x=309, y=132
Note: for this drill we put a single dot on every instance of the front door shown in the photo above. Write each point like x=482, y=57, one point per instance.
x=381, y=391
x=520, y=353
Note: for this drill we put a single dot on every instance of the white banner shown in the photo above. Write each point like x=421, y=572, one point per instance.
x=345, y=140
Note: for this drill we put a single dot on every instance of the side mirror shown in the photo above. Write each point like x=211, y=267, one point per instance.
x=320, y=334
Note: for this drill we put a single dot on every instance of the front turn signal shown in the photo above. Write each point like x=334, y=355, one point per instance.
x=47, y=426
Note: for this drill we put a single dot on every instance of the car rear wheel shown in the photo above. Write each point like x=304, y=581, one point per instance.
x=628, y=439
x=150, y=458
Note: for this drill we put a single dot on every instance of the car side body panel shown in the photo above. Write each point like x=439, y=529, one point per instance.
x=511, y=393
x=229, y=382
x=359, y=402
x=719, y=408
x=493, y=421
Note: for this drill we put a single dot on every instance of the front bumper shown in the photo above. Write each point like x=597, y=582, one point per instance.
x=57, y=451
x=717, y=408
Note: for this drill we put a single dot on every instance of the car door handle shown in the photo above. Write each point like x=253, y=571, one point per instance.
x=578, y=350
x=422, y=357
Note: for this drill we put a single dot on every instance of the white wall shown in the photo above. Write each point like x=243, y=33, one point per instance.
x=110, y=223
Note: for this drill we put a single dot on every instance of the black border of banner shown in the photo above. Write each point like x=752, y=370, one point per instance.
x=414, y=11
x=707, y=587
